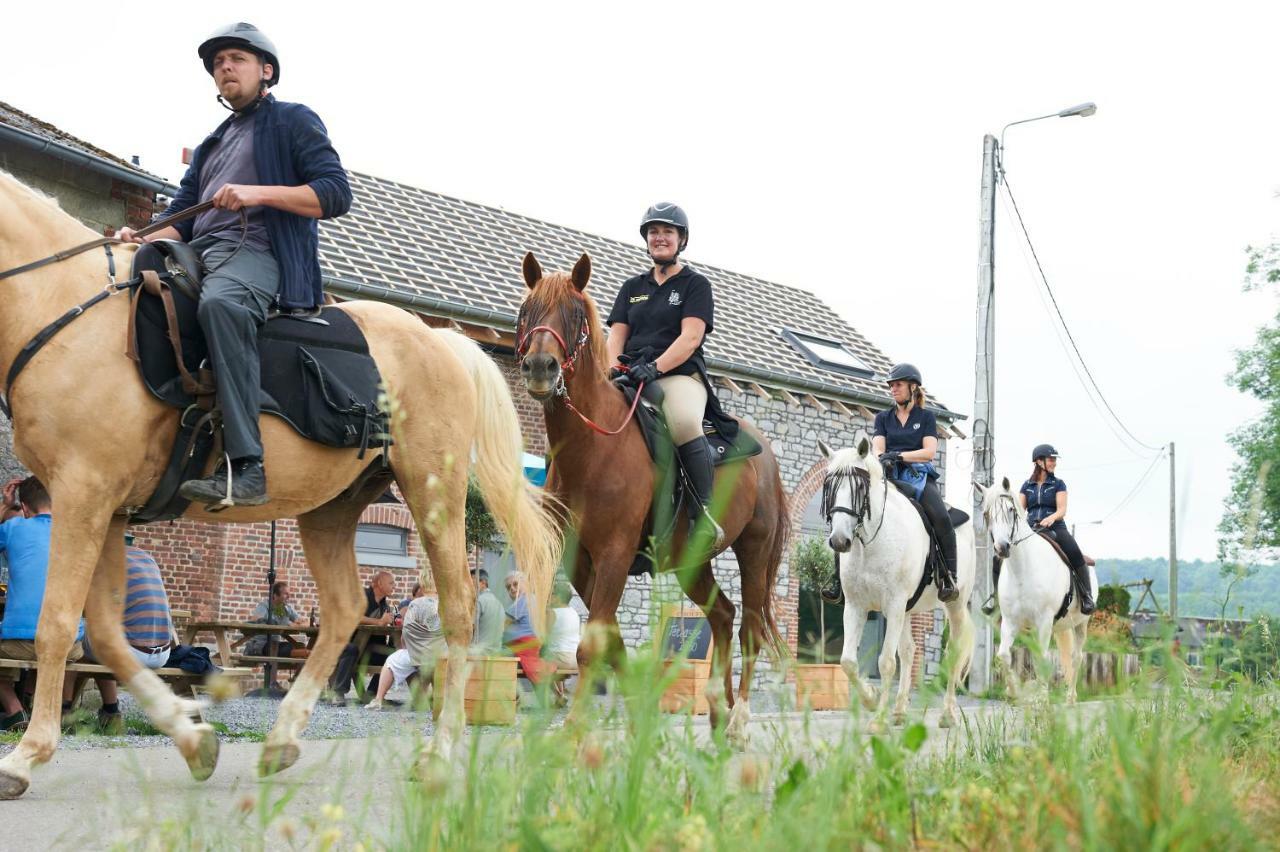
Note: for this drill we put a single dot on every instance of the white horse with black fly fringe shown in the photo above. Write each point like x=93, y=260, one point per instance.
x=881, y=544
x=1034, y=581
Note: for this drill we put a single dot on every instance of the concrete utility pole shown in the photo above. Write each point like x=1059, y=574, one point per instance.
x=1173, y=542
x=984, y=387
x=983, y=409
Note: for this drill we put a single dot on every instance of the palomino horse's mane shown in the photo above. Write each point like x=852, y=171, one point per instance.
x=556, y=294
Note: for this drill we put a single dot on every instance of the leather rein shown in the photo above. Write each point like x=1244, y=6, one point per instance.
x=568, y=367
x=44, y=335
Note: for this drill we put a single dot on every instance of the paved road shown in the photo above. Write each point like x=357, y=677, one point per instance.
x=96, y=798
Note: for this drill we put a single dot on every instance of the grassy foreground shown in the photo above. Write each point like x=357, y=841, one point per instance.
x=1159, y=768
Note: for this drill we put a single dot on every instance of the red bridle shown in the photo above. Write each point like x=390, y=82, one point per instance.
x=566, y=371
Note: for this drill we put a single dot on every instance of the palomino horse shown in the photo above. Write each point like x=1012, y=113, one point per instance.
x=87, y=426
x=882, y=544
x=607, y=481
x=1033, y=584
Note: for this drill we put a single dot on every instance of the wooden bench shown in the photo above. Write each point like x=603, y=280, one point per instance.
x=171, y=675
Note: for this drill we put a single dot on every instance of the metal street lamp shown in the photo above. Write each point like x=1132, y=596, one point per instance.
x=984, y=386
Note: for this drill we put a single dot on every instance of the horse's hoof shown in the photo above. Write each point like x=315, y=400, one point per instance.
x=204, y=759
x=12, y=786
x=899, y=719
x=877, y=726
x=277, y=758
x=737, y=738
x=945, y=721
x=431, y=771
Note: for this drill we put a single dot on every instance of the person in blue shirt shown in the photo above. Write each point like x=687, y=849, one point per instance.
x=272, y=160
x=906, y=440
x=25, y=540
x=1044, y=496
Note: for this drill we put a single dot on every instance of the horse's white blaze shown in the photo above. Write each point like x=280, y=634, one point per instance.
x=1033, y=582
x=880, y=573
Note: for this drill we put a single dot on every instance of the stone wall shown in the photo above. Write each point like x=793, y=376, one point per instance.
x=100, y=202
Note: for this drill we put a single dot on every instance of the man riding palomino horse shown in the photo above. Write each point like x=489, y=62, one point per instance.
x=659, y=321
x=906, y=441
x=1044, y=499
x=272, y=160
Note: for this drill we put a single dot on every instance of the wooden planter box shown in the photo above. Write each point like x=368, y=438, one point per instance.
x=490, y=693
x=822, y=687
x=687, y=694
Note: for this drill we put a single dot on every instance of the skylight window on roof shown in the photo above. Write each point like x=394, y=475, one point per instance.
x=827, y=354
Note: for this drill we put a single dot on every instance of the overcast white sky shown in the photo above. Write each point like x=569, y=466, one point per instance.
x=834, y=147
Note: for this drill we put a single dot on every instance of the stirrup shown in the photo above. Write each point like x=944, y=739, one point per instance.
x=989, y=607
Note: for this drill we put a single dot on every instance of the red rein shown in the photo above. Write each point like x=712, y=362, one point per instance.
x=566, y=371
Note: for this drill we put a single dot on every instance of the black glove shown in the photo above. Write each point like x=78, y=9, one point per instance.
x=645, y=372
x=616, y=373
x=890, y=458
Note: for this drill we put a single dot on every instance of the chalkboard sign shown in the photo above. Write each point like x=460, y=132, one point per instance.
x=686, y=627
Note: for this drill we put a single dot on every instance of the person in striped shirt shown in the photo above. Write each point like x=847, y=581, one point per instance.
x=148, y=628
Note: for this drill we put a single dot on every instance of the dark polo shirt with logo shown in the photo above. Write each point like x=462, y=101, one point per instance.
x=903, y=438
x=653, y=312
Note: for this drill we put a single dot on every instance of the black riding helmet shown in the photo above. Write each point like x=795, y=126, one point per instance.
x=904, y=372
x=1043, y=451
x=241, y=35
x=668, y=214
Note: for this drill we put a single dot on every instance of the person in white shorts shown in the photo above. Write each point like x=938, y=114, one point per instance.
x=566, y=631
x=423, y=636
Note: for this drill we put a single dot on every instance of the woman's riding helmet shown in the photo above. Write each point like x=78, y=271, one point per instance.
x=904, y=372
x=1043, y=451
x=668, y=214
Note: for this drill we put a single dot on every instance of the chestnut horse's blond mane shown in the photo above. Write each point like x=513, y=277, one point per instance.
x=556, y=294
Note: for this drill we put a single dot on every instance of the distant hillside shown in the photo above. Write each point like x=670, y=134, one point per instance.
x=1200, y=587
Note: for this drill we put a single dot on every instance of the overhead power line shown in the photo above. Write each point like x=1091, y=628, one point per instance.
x=1133, y=492
x=1062, y=320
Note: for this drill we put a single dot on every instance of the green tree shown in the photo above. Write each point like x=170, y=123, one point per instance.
x=813, y=564
x=481, y=528
x=1250, y=525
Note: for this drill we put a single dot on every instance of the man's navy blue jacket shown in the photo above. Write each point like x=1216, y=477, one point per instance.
x=291, y=147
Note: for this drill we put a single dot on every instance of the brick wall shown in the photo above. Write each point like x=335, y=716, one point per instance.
x=102, y=203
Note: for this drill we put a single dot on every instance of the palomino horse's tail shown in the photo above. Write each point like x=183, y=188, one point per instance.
x=523, y=512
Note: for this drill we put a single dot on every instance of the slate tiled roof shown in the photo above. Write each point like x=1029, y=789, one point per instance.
x=15, y=117
x=421, y=243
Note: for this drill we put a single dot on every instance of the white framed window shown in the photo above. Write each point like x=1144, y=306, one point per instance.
x=827, y=354
x=383, y=545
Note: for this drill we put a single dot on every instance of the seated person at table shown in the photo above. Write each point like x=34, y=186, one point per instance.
x=519, y=636
x=26, y=542
x=565, y=632
x=486, y=639
x=423, y=644
x=276, y=610
x=148, y=628
x=376, y=612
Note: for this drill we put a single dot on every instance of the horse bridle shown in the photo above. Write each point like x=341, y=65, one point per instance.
x=860, y=510
x=1013, y=511
x=569, y=364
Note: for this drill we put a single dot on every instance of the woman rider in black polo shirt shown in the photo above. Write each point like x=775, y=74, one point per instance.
x=1044, y=497
x=906, y=440
x=658, y=323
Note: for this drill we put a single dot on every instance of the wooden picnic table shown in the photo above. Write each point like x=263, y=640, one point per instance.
x=221, y=629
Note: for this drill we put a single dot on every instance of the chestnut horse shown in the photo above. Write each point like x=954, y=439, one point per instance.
x=86, y=425
x=607, y=481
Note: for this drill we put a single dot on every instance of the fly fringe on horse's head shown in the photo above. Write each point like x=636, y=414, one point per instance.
x=528, y=517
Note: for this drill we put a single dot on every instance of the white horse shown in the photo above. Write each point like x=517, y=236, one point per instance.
x=1034, y=580
x=882, y=544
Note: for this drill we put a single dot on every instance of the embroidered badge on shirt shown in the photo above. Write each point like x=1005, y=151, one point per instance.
x=915, y=425
x=674, y=299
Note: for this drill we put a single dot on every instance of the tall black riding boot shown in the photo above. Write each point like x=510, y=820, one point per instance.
x=990, y=606
x=1080, y=576
x=947, y=591
x=695, y=459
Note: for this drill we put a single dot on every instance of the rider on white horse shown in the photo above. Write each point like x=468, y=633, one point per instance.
x=906, y=440
x=1044, y=498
